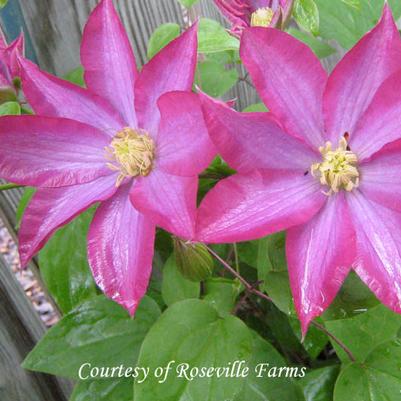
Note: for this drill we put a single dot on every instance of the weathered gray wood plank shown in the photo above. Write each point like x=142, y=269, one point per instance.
x=20, y=329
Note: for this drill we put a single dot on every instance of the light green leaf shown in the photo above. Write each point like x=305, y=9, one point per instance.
x=76, y=76
x=267, y=388
x=318, y=384
x=64, y=264
x=347, y=24
x=353, y=3
x=222, y=293
x=214, y=78
x=175, y=287
x=320, y=48
x=192, y=332
x=104, y=390
x=257, y=107
x=161, y=37
x=99, y=332
x=306, y=14
x=365, y=331
x=214, y=38
x=23, y=203
x=188, y=3
x=3, y=3
x=378, y=378
x=10, y=109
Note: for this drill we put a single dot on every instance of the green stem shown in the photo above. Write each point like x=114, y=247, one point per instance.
x=6, y=187
x=251, y=289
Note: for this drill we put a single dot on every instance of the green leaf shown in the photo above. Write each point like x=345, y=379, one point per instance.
x=64, y=264
x=353, y=3
x=99, y=332
x=23, y=203
x=192, y=332
x=365, y=331
x=161, y=37
x=347, y=24
x=222, y=293
x=104, y=390
x=320, y=48
x=378, y=378
x=306, y=14
x=3, y=3
x=10, y=109
x=214, y=78
x=267, y=388
x=188, y=3
x=257, y=107
x=214, y=38
x=76, y=76
x=318, y=384
x=175, y=287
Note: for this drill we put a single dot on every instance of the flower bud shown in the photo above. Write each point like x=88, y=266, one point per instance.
x=193, y=260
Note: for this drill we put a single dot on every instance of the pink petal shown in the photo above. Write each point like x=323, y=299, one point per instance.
x=172, y=69
x=355, y=80
x=120, y=250
x=320, y=254
x=169, y=200
x=289, y=78
x=381, y=176
x=50, y=208
x=249, y=141
x=16, y=50
x=183, y=143
x=50, y=152
x=249, y=206
x=378, y=232
x=381, y=123
x=108, y=60
x=53, y=97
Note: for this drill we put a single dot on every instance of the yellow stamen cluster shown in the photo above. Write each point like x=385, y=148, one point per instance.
x=262, y=17
x=131, y=152
x=338, y=170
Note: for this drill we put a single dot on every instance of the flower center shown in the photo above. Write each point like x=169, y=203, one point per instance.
x=262, y=17
x=131, y=152
x=338, y=170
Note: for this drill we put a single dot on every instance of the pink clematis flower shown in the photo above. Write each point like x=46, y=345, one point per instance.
x=325, y=164
x=134, y=141
x=264, y=13
x=9, y=68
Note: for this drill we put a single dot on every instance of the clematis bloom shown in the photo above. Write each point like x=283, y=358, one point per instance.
x=134, y=141
x=324, y=164
x=9, y=69
x=264, y=13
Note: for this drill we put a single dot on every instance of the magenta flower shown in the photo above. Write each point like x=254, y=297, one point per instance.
x=9, y=68
x=325, y=164
x=246, y=13
x=134, y=141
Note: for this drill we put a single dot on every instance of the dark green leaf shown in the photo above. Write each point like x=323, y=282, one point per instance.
x=161, y=37
x=192, y=332
x=104, y=390
x=320, y=48
x=175, y=287
x=378, y=378
x=99, y=332
x=23, y=203
x=318, y=384
x=365, y=331
x=214, y=78
x=64, y=264
x=269, y=388
x=222, y=293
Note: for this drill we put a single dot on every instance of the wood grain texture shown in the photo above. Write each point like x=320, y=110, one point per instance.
x=20, y=329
